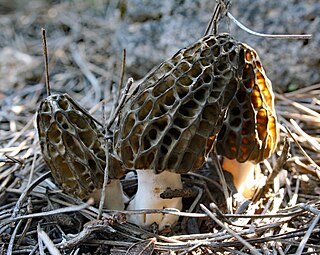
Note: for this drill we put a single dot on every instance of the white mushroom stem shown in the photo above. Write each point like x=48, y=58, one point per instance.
x=243, y=175
x=150, y=186
x=114, y=197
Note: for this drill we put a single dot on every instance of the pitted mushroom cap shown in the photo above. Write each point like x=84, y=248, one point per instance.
x=250, y=131
x=171, y=120
x=72, y=146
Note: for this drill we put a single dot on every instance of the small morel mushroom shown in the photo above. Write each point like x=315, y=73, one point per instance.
x=72, y=147
x=171, y=121
x=249, y=132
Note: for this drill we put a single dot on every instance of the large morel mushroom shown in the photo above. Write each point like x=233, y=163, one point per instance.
x=213, y=92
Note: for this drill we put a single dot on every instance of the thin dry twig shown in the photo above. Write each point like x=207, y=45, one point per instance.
x=123, y=68
x=45, y=55
x=307, y=235
x=43, y=236
x=316, y=167
x=279, y=165
x=222, y=180
x=230, y=231
x=121, y=102
x=303, y=37
x=105, y=180
x=27, y=192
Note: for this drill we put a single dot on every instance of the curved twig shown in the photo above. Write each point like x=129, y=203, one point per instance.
x=285, y=36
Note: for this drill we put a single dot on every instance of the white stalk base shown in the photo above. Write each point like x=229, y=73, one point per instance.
x=243, y=176
x=114, y=197
x=150, y=186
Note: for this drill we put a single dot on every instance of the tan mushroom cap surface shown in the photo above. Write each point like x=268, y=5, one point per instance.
x=214, y=88
x=249, y=131
x=72, y=146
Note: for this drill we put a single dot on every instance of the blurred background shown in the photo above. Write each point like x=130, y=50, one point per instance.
x=97, y=31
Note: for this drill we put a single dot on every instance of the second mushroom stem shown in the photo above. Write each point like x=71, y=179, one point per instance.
x=243, y=175
x=150, y=186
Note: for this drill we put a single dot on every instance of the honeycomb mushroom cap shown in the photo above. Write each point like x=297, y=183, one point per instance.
x=172, y=119
x=214, y=91
x=249, y=131
x=72, y=146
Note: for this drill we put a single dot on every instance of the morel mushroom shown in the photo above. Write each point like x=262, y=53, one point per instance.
x=249, y=133
x=171, y=121
x=72, y=147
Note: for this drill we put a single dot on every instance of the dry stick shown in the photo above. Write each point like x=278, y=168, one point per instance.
x=292, y=202
x=184, y=193
x=7, y=179
x=27, y=191
x=196, y=200
x=84, y=111
x=306, y=36
x=309, y=138
x=298, y=106
x=232, y=251
x=16, y=150
x=310, y=208
x=267, y=239
x=301, y=210
x=192, y=248
x=299, y=116
x=40, y=242
x=315, y=165
x=213, y=23
x=295, y=243
x=43, y=236
x=46, y=65
x=121, y=103
x=13, y=236
x=217, y=237
x=312, y=105
x=127, y=228
x=294, y=198
x=230, y=231
x=76, y=208
x=203, y=215
x=28, y=223
x=280, y=250
x=217, y=164
x=307, y=235
x=193, y=205
x=219, y=240
x=113, y=115
x=88, y=229
x=123, y=68
x=129, y=235
x=32, y=167
x=106, y=170
x=219, y=214
x=13, y=160
x=305, y=168
x=142, y=247
x=280, y=163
